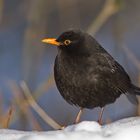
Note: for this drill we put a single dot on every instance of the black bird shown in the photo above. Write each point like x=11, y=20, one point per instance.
x=86, y=75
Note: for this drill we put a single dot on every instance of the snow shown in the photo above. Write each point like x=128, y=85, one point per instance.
x=125, y=129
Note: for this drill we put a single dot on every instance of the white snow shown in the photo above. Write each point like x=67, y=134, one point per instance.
x=125, y=129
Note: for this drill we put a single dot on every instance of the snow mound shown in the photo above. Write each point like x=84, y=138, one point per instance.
x=126, y=129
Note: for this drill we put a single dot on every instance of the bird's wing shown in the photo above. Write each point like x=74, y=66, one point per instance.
x=119, y=78
x=111, y=69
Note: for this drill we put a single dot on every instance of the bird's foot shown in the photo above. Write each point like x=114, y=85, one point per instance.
x=100, y=122
x=100, y=116
x=77, y=120
x=62, y=127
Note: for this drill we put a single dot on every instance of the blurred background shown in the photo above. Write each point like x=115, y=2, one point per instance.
x=23, y=57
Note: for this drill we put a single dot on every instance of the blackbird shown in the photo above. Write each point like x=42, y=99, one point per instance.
x=86, y=75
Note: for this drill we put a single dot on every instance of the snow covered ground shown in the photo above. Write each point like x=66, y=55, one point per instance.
x=125, y=129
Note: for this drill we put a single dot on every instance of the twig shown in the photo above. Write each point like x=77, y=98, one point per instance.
x=38, y=109
x=9, y=115
x=109, y=9
x=44, y=86
x=23, y=106
x=1, y=9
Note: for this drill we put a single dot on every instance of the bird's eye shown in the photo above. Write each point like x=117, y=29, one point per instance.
x=67, y=42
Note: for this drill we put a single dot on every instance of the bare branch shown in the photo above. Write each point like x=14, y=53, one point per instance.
x=1, y=9
x=10, y=112
x=38, y=109
x=44, y=87
x=8, y=117
x=109, y=9
x=23, y=106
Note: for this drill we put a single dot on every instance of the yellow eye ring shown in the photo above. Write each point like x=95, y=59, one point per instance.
x=67, y=42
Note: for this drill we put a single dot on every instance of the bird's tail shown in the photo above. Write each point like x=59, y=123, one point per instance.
x=135, y=90
x=131, y=94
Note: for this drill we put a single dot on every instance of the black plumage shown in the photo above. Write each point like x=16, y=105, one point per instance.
x=86, y=74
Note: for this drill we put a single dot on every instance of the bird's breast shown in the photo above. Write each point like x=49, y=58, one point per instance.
x=73, y=70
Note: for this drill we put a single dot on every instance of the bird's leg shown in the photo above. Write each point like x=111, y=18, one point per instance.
x=100, y=116
x=77, y=120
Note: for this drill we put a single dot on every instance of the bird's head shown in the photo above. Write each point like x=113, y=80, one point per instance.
x=69, y=40
x=73, y=41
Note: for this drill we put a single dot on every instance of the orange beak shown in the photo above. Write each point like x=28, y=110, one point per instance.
x=51, y=41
